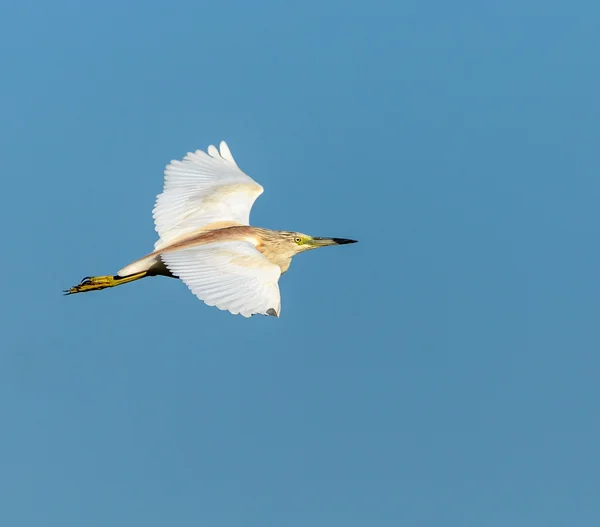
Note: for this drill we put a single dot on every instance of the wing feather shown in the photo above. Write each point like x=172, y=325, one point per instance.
x=203, y=189
x=231, y=275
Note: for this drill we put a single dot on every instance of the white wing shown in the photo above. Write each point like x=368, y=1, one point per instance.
x=230, y=275
x=203, y=189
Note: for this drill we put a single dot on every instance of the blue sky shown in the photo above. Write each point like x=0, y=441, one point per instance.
x=443, y=371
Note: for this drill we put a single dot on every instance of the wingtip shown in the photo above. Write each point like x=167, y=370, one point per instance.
x=226, y=153
x=212, y=151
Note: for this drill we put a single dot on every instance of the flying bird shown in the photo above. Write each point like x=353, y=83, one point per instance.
x=202, y=218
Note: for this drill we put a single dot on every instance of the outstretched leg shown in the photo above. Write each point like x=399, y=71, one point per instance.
x=96, y=283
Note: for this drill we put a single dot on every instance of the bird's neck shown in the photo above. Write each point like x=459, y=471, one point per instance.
x=275, y=256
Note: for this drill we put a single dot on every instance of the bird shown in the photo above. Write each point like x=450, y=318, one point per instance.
x=202, y=218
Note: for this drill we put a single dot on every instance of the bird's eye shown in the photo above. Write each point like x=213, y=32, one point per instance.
x=297, y=239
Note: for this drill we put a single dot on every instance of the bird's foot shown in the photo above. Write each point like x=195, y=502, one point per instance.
x=92, y=283
x=96, y=283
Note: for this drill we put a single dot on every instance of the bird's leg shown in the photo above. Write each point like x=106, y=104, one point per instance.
x=96, y=283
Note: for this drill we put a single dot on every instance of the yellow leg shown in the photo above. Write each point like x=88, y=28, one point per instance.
x=96, y=283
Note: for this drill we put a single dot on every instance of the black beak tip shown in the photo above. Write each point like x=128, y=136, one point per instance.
x=343, y=241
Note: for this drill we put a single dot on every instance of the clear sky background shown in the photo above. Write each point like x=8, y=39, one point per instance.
x=442, y=372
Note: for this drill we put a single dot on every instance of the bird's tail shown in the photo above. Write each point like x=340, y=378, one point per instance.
x=96, y=283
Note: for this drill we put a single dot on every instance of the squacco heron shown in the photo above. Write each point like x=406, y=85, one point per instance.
x=202, y=219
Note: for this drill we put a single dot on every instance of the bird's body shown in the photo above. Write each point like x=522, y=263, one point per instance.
x=272, y=244
x=202, y=218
